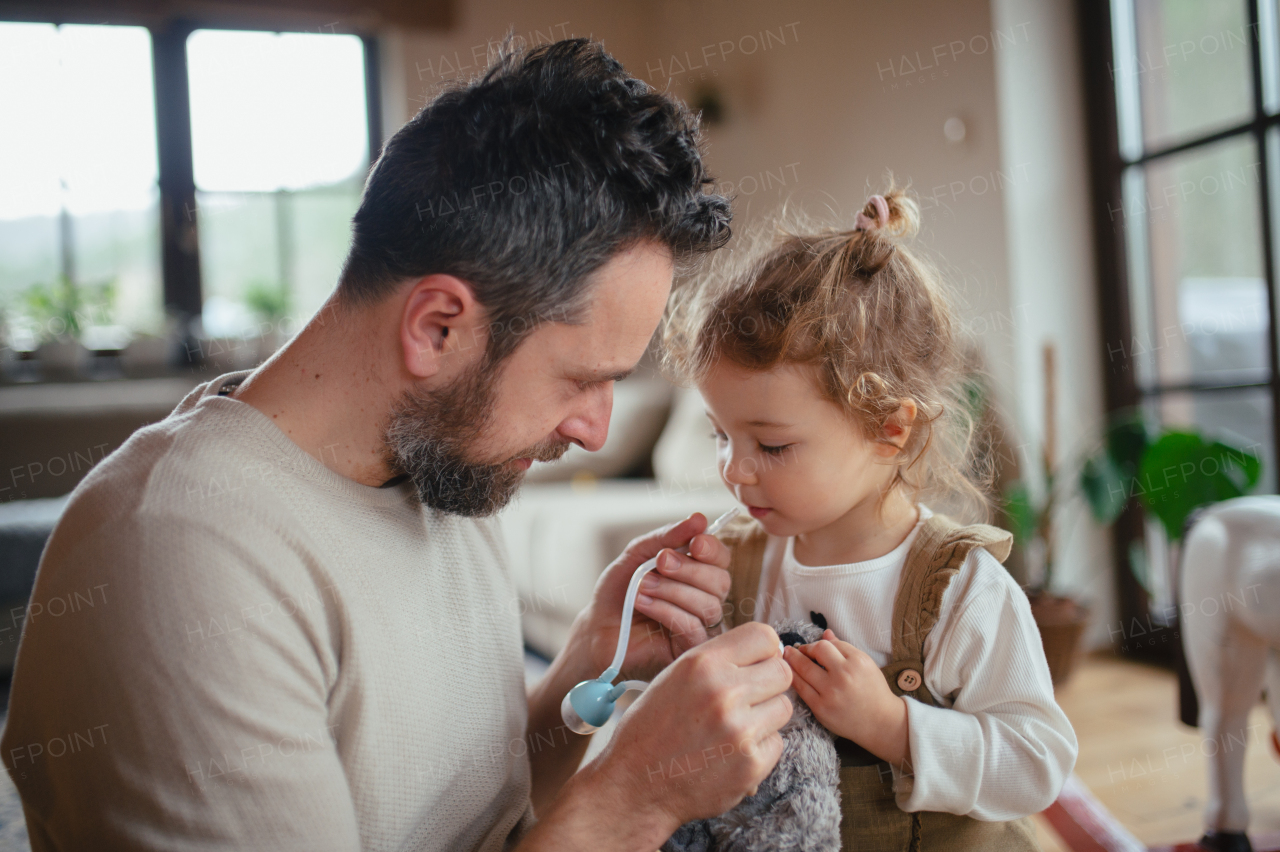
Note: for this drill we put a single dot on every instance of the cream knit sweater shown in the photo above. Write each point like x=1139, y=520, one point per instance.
x=232, y=647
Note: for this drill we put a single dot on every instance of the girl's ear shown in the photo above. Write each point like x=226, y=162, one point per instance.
x=897, y=429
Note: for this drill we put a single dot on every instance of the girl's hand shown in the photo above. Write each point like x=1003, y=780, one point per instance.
x=848, y=694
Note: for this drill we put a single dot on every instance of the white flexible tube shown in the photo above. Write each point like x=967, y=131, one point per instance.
x=640, y=685
x=629, y=603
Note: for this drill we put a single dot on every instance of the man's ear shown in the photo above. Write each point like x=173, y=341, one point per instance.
x=438, y=311
x=897, y=429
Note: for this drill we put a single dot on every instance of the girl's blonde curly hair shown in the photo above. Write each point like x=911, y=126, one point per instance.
x=875, y=320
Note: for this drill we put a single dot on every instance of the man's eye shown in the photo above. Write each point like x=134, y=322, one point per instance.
x=774, y=451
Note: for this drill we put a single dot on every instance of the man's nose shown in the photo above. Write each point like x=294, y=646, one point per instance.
x=589, y=426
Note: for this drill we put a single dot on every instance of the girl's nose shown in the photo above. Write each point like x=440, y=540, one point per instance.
x=738, y=470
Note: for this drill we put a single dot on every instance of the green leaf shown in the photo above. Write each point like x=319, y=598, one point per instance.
x=1182, y=471
x=1104, y=487
x=1022, y=514
x=268, y=299
x=1106, y=477
x=1127, y=442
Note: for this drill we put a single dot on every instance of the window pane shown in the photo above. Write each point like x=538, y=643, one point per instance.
x=276, y=111
x=1269, y=45
x=1207, y=310
x=251, y=242
x=1193, y=67
x=1241, y=417
x=321, y=236
x=280, y=146
x=239, y=251
x=78, y=192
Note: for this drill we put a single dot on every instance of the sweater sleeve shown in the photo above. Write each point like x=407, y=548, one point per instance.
x=184, y=707
x=1004, y=748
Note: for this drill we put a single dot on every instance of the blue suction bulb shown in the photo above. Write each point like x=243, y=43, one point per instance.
x=587, y=707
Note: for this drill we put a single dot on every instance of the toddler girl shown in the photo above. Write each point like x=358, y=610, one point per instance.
x=832, y=378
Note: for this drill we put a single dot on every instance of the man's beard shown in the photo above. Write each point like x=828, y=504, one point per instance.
x=429, y=436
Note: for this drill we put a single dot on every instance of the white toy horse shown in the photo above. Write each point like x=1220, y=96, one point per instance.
x=1230, y=591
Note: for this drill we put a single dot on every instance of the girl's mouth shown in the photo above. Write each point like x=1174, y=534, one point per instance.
x=758, y=511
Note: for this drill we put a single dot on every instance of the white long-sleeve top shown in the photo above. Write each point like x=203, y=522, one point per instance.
x=999, y=747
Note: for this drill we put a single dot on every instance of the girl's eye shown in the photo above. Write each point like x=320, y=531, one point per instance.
x=774, y=451
x=719, y=436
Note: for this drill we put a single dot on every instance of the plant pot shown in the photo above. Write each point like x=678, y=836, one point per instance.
x=1061, y=622
x=62, y=357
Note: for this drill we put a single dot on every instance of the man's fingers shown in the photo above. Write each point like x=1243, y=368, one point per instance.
x=775, y=712
x=748, y=643
x=708, y=608
x=674, y=535
x=683, y=625
x=766, y=750
x=712, y=579
x=709, y=549
x=765, y=680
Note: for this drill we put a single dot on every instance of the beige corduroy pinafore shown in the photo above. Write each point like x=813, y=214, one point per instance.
x=870, y=819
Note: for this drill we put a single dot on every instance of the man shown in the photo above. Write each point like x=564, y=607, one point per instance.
x=297, y=636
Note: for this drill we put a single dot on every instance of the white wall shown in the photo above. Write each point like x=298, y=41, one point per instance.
x=828, y=109
x=1051, y=273
x=845, y=91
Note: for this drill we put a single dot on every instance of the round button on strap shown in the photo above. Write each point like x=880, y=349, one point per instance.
x=909, y=680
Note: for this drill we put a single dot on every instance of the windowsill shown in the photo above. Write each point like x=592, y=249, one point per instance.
x=84, y=369
x=97, y=397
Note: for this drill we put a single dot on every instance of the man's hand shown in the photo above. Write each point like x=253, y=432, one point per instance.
x=676, y=604
x=700, y=738
x=848, y=694
x=685, y=601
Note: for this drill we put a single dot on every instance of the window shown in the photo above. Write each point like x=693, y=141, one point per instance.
x=174, y=181
x=79, y=222
x=279, y=143
x=1186, y=163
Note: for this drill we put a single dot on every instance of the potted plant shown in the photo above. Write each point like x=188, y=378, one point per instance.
x=1170, y=473
x=1061, y=618
x=269, y=301
x=57, y=314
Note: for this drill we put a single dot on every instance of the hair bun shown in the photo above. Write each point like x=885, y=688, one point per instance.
x=903, y=219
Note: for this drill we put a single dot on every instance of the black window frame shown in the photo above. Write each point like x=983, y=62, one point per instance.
x=181, y=287
x=1108, y=166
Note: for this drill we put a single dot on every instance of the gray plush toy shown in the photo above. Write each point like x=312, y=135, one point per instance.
x=798, y=806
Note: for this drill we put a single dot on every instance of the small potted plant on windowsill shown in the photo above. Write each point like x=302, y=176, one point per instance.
x=58, y=314
x=269, y=302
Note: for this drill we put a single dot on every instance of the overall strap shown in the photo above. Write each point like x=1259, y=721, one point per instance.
x=746, y=540
x=939, y=549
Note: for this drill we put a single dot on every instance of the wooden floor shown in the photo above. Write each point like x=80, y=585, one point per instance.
x=1131, y=753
